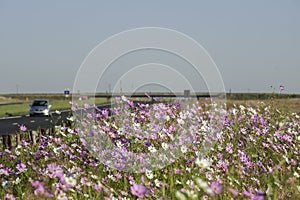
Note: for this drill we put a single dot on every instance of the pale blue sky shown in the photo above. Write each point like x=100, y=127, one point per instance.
x=255, y=43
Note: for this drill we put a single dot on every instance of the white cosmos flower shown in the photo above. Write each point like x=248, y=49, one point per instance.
x=5, y=183
x=180, y=121
x=191, y=194
x=210, y=192
x=70, y=118
x=136, y=126
x=203, y=163
x=296, y=175
x=58, y=112
x=234, y=111
x=71, y=181
x=120, y=131
x=57, y=150
x=70, y=130
x=183, y=149
x=189, y=182
x=202, y=184
x=152, y=149
x=124, y=98
x=18, y=180
x=111, y=177
x=167, y=117
x=61, y=196
x=180, y=196
x=253, y=110
x=94, y=176
x=119, y=144
x=17, y=152
x=157, y=183
x=242, y=107
x=149, y=174
x=165, y=146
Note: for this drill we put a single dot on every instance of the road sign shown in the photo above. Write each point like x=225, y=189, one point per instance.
x=67, y=93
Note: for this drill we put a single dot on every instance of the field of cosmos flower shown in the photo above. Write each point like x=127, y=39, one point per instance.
x=160, y=151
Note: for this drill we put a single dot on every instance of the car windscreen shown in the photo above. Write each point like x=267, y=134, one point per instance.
x=40, y=103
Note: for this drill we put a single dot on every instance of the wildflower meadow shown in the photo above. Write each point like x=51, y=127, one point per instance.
x=173, y=150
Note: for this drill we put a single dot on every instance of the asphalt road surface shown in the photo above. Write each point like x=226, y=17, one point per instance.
x=11, y=125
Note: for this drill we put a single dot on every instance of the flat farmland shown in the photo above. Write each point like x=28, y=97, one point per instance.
x=15, y=105
x=142, y=151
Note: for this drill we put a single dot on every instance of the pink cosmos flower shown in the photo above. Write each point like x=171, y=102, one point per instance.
x=86, y=106
x=281, y=87
x=23, y=128
x=139, y=190
x=216, y=187
x=39, y=188
x=4, y=172
x=148, y=95
x=249, y=194
x=21, y=167
x=98, y=188
x=229, y=149
x=9, y=197
x=55, y=171
x=234, y=192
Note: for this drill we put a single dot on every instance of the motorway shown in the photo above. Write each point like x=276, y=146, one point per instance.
x=11, y=125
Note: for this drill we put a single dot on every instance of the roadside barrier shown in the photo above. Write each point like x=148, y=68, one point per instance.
x=14, y=140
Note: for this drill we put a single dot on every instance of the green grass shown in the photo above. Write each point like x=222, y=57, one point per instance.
x=23, y=109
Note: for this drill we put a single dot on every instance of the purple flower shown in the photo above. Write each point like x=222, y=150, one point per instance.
x=281, y=87
x=234, y=192
x=139, y=190
x=21, y=167
x=4, y=171
x=216, y=187
x=23, y=128
x=177, y=171
x=39, y=188
x=260, y=195
x=98, y=188
x=55, y=171
x=130, y=103
x=148, y=95
x=249, y=194
x=9, y=197
x=86, y=106
x=148, y=143
x=229, y=149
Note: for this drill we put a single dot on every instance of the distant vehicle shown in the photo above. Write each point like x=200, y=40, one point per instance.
x=40, y=107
